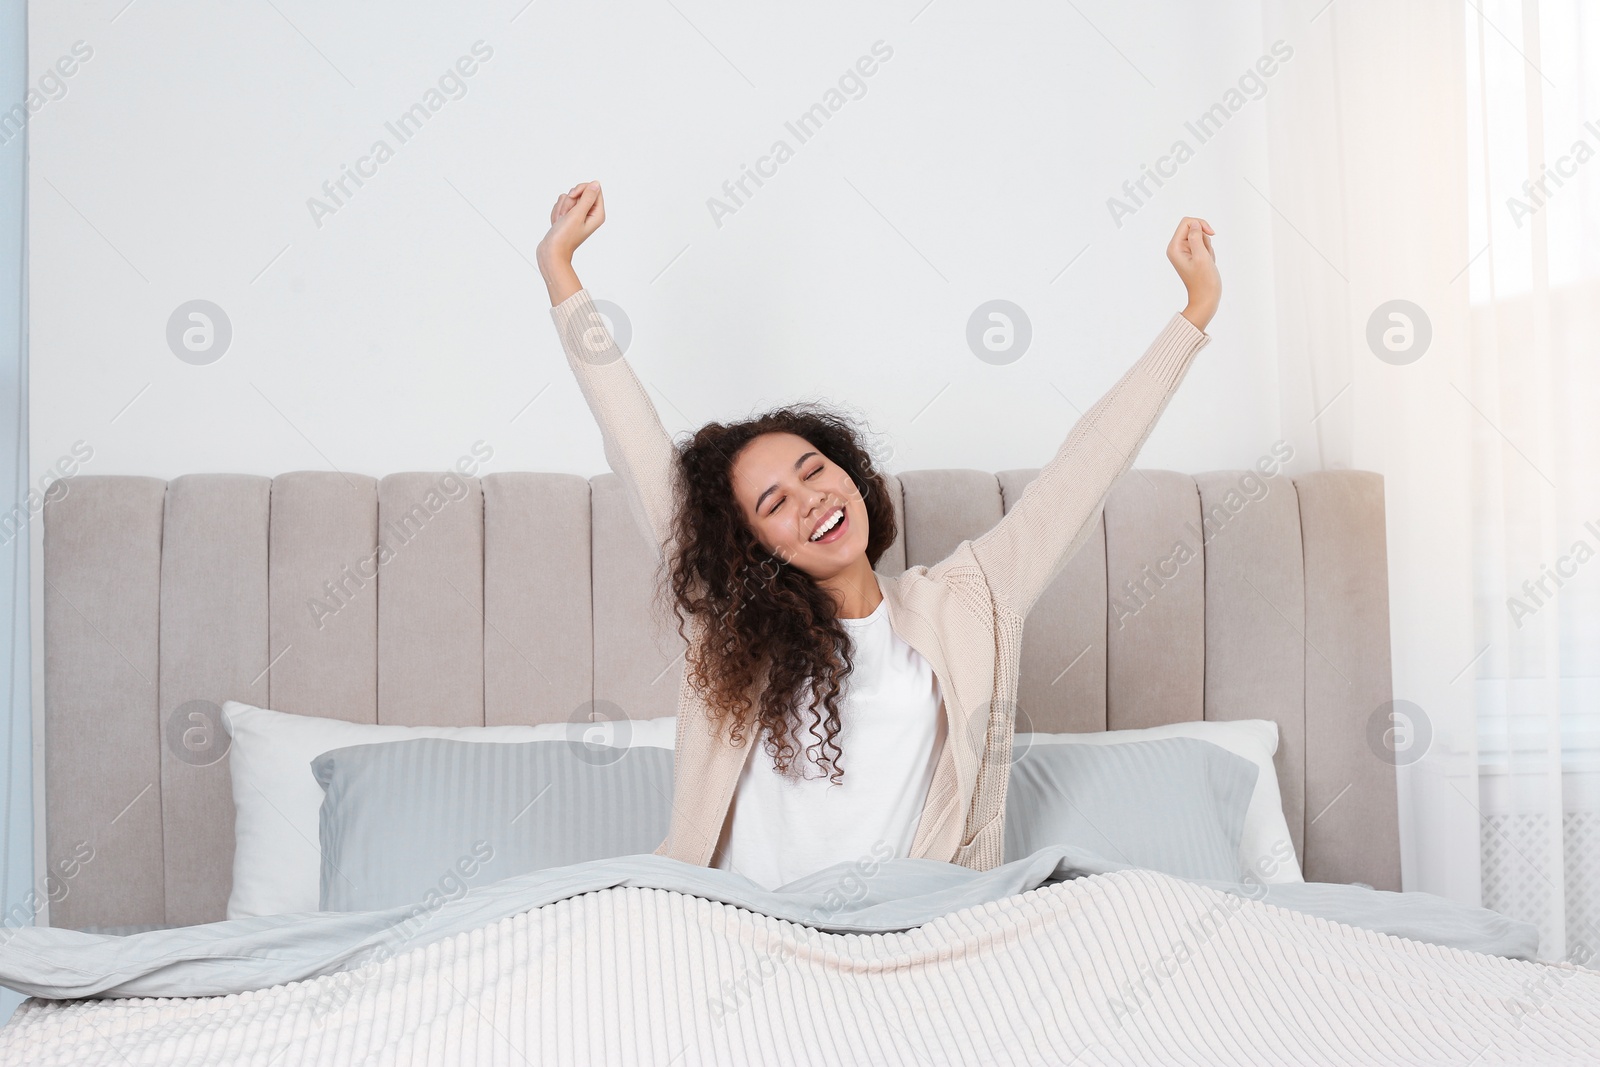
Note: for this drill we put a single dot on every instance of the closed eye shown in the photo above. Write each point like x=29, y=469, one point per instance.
x=779, y=504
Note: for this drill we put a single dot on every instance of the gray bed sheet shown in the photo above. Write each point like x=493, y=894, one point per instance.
x=894, y=894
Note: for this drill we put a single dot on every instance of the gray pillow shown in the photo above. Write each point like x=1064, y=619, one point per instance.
x=1174, y=805
x=421, y=821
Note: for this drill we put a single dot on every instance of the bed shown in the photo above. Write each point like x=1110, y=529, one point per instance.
x=525, y=598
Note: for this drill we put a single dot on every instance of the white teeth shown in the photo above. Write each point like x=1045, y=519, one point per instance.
x=830, y=524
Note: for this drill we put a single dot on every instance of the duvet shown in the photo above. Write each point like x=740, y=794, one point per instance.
x=1061, y=957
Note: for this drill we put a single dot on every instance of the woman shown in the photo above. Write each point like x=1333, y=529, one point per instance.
x=770, y=529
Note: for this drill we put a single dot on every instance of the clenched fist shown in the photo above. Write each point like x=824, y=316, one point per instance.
x=576, y=214
x=1191, y=255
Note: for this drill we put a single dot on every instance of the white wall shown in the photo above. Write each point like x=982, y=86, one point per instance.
x=410, y=323
x=17, y=892
x=178, y=164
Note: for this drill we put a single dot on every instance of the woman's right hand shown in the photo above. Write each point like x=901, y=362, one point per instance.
x=576, y=215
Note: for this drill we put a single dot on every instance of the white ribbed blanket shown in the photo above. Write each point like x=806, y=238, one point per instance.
x=1128, y=967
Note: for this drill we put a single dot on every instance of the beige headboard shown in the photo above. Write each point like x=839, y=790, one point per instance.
x=524, y=597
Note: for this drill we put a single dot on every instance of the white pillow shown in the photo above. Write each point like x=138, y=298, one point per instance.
x=1265, y=849
x=277, y=852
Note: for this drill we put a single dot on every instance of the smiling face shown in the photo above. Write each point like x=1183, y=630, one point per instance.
x=788, y=491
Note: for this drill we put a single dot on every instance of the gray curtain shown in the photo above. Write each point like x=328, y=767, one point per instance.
x=16, y=716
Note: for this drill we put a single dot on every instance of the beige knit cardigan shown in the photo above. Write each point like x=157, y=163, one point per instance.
x=964, y=614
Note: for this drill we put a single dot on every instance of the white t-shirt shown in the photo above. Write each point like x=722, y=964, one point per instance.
x=892, y=730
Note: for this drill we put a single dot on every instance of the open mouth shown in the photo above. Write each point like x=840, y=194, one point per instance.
x=831, y=528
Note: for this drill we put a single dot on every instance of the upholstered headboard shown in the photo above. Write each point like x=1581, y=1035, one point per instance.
x=527, y=597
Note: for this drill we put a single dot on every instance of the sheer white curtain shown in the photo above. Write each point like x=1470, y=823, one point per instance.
x=1398, y=153
x=1533, y=93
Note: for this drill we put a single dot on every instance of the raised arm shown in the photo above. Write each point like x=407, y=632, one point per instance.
x=1025, y=551
x=637, y=446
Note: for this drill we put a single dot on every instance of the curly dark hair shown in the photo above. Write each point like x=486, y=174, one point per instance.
x=765, y=626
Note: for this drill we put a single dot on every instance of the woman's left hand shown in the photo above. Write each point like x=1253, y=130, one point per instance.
x=1191, y=255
